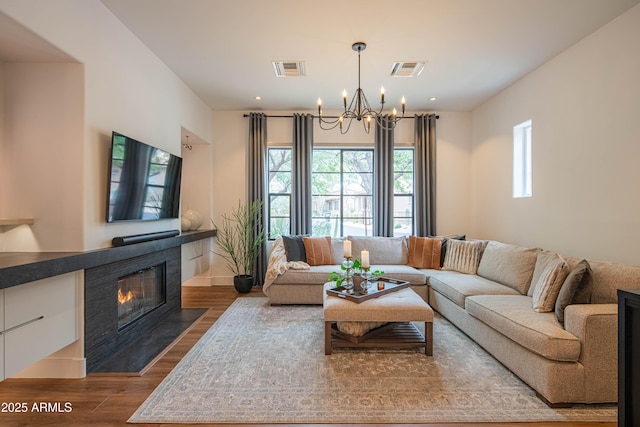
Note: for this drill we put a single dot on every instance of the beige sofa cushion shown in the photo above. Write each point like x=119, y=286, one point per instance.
x=508, y=264
x=402, y=272
x=317, y=274
x=513, y=316
x=457, y=286
x=382, y=250
x=608, y=277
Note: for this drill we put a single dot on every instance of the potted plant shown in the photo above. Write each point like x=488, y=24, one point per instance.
x=239, y=239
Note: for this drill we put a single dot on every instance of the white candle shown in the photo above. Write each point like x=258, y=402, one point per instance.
x=347, y=248
x=364, y=259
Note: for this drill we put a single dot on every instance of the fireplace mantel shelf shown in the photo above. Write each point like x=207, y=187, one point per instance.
x=17, y=268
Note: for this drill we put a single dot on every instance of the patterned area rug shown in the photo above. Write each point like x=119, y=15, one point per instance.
x=263, y=364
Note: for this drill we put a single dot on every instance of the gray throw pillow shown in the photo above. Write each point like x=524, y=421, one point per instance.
x=294, y=248
x=576, y=289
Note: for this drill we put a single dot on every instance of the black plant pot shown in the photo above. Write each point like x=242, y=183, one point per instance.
x=243, y=283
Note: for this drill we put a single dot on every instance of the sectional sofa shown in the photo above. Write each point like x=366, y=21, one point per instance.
x=550, y=319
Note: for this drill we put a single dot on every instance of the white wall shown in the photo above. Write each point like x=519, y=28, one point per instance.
x=230, y=170
x=584, y=105
x=127, y=89
x=43, y=152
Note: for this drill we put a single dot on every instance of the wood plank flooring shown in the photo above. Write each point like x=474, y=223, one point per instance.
x=109, y=400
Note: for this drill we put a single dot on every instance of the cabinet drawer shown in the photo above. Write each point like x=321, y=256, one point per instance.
x=40, y=318
x=44, y=298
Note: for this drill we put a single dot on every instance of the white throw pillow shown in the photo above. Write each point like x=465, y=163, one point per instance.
x=463, y=255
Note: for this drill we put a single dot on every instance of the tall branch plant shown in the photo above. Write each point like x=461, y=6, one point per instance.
x=240, y=237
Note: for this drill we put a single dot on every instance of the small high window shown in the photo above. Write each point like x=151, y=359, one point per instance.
x=522, y=160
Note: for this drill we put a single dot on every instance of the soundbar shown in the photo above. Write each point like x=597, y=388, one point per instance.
x=140, y=238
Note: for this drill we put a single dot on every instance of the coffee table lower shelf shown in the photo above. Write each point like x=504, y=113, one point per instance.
x=391, y=335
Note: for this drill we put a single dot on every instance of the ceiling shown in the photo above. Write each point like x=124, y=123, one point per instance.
x=474, y=48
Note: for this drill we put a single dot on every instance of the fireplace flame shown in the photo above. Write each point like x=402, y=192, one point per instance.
x=122, y=298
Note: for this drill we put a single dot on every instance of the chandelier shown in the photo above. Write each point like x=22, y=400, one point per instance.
x=359, y=108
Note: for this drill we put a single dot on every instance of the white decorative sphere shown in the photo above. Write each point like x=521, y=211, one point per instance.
x=185, y=224
x=195, y=218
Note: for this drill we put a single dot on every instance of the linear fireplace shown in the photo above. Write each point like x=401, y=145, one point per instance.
x=126, y=299
x=139, y=293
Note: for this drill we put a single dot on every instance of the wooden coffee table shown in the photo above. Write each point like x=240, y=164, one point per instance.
x=399, y=309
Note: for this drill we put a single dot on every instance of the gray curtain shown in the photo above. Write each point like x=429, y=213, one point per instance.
x=257, y=151
x=425, y=174
x=383, y=178
x=301, y=171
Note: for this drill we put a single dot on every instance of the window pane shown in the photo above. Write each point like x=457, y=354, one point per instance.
x=326, y=227
x=280, y=205
x=357, y=183
x=325, y=206
x=325, y=183
x=358, y=227
x=279, y=227
x=403, y=160
x=280, y=182
x=280, y=159
x=357, y=206
x=325, y=161
x=403, y=183
x=402, y=227
x=358, y=161
x=403, y=206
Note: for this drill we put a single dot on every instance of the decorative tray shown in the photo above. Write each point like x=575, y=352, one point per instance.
x=387, y=285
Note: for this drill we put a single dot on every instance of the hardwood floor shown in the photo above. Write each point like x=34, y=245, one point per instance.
x=109, y=400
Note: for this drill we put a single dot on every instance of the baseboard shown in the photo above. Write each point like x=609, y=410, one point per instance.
x=55, y=368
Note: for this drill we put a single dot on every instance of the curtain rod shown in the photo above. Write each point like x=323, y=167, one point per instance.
x=328, y=117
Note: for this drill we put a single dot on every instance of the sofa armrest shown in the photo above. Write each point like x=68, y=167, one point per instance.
x=596, y=326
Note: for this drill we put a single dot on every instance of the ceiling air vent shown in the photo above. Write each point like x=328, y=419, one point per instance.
x=289, y=68
x=407, y=69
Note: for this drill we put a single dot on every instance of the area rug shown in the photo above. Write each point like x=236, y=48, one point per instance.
x=263, y=364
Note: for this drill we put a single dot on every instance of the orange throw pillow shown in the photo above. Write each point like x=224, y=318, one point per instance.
x=424, y=252
x=318, y=250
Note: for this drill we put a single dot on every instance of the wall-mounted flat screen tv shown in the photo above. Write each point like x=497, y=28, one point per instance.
x=144, y=181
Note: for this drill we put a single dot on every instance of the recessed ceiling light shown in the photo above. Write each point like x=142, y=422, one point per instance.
x=433, y=98
x=258, y=98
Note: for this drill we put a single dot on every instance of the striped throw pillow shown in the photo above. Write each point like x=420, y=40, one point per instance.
x=318, y=250
x=424, y=252
x=550, y=273
x=463, y=256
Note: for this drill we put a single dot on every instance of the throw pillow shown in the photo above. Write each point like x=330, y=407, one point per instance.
x=550, y=272
x=318, y=250
x=576, y=289
x=463, y=255
x=508, y=264
x=443, y=251
x=424, y=252
x=294, y=248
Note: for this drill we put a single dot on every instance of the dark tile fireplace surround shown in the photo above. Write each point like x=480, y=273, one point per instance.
x=103, y=269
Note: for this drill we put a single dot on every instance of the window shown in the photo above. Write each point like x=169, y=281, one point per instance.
x=342, y=192
x=279, y=202
x=403, y=192
x=522, y=160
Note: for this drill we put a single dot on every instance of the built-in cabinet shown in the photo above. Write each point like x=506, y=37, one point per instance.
x=39, y=318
